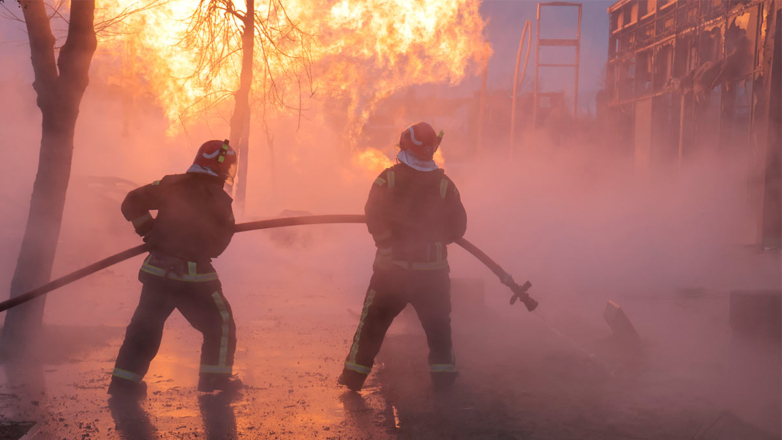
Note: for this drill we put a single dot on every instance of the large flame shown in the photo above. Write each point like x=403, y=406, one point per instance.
x=369, y=49
x=361, y=51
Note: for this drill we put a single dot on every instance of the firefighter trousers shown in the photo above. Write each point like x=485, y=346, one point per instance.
x=204, y=307
x=390, y=291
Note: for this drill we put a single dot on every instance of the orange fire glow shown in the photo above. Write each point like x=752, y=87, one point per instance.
x=373, y=160
x=361, y=51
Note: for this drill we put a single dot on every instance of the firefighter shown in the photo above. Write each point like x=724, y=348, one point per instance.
x=413, y=212
x=194, y=224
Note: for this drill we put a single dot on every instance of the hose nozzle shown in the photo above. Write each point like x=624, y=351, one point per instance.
x=520, y=293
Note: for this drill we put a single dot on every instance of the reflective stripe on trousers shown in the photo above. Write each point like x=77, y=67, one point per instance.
x=221, y=367
x=444, y=368
x=351, y=364
x=125, y=374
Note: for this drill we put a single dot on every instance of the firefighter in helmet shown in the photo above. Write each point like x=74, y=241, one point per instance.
x=413, y=212
x=194, y=224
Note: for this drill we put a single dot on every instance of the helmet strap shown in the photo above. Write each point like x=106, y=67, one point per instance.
x=223, y=152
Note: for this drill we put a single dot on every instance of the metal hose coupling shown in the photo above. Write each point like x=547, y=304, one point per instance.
x=520, y=293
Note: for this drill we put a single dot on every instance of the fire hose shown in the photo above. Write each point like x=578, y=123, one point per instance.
x=519, y=292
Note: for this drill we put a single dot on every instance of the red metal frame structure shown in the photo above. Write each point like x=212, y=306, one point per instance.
x=556, y=42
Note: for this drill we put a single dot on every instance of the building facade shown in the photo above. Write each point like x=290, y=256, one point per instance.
x=689, y=77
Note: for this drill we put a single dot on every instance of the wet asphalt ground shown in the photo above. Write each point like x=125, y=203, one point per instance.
x=519, y=380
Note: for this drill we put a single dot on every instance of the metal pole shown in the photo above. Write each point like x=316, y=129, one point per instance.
x=482, y=101
x=516, y=82
x=682, y=109
x=578, y=57
x=243, y=150
x=535, y=86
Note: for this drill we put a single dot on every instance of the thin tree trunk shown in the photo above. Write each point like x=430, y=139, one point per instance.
x=271, y=159
x=240, y=121
x=59, y=97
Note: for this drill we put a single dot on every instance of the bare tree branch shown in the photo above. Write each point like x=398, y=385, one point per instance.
x=107, y=27
x=283, y=55
x=9, y=15
x=56, y=10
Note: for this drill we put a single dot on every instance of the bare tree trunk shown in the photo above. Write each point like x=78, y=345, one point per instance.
x=240, y=121
x=59, y=97
x=271, y=160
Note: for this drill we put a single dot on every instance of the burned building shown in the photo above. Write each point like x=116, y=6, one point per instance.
x=686, y=77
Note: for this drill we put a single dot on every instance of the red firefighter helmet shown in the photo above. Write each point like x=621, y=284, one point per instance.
x=218, y=158
x=421, y=140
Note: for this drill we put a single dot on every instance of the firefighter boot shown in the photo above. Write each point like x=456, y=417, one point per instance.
x=443, y=382
x=352, y=379
x=127, y=389
x=219, y=382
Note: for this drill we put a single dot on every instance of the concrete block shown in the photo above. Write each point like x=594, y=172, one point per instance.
x=619, y=322
x=756, y=313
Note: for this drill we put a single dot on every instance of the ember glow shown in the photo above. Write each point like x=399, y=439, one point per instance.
x=361, y=51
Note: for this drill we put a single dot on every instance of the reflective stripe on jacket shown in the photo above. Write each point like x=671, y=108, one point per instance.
x=412, y=215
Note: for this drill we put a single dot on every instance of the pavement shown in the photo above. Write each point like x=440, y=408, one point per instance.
x=689, y=378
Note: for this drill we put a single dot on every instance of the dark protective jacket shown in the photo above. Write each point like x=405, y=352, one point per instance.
x=413, y=215
x=194, y=224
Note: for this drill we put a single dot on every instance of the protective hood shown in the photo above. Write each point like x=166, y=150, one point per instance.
x=411, y=160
